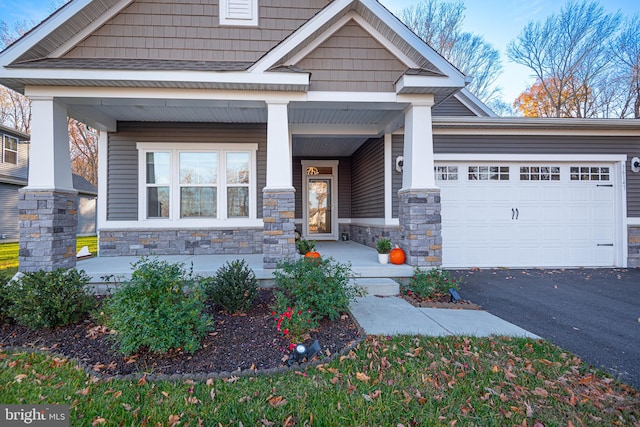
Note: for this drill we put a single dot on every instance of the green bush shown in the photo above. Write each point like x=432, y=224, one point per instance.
x=5, y=276
x=431, y=283
x=234, y=287
x=321, y=286
x=153, y=310
x=44, y=299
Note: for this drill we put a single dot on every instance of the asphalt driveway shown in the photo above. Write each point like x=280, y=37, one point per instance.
x=594, y=313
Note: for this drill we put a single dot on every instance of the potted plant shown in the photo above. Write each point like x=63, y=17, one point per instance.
x=305, y=246
x=383, y=247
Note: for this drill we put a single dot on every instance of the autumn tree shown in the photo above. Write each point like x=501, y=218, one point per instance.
x=15, y=112
x=439, y=24
x=571, y=56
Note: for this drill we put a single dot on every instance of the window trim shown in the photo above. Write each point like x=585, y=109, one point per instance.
x=174, y=149
x=5, y=149
x=250, y=20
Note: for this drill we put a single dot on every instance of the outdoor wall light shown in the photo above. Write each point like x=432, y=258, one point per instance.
x=635, y=165
x=301, y=352
x=399, y=163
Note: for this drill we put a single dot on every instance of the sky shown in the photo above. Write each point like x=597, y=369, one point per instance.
x=497, y=21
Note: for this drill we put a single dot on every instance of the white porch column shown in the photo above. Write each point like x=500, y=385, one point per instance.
x=418, y=147
x=49, y=158
x=278, y=147
x=278, y=197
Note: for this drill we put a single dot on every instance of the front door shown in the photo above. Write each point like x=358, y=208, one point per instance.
x=320, y=202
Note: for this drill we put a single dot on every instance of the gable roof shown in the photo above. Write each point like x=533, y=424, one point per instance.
x=46, y=55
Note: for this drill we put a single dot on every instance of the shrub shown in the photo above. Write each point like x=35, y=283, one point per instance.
x=383, y=246
x=234, y=287
x=303, y=246
x=431, y=283
x=321, y=286
x=5, y=276
x=44, y=299
x=152, y=309
x=295, y=323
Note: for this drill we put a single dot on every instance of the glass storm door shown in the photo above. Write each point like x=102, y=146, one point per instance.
x=320, y=219
x=319, y=206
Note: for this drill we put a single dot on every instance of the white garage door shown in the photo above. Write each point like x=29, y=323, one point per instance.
x=527, y=214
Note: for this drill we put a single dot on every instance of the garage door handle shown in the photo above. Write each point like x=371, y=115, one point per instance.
x=605, y=244
x=513, y=213
x=517, y=213
x=604, y=185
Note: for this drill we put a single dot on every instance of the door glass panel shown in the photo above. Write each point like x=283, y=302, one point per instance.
x=319, y=208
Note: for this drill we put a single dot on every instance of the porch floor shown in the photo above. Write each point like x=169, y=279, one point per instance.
x=363, y=259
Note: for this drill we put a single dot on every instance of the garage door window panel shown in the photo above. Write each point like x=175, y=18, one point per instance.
x=590, y=173
x=539, y=173
x=488, y=173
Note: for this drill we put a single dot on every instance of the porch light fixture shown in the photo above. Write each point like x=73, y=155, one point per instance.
x=635, y=165
x=301, y=352
x=399, y=163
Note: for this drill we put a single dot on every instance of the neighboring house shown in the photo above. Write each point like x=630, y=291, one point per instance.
x=14, y=165
x=226, y=125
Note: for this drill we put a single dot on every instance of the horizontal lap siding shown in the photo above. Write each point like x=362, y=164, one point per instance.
x=452, y=107
x=550, y=145
x=122, y=178
x=397, y=147
x=189, y=30
x=367, y=180
x=9, y=211
x=351, y=60
x=20, y=170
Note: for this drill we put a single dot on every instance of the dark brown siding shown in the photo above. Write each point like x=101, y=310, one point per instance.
x=367, y=180
x=500, y=144
x=122, y=176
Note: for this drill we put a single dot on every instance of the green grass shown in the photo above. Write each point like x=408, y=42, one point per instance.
x=401, y=380
x=9, y=251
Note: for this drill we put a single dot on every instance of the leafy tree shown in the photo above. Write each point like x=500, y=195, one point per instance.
x=627, y=60
x=570, y=54
x=15, y=112
x=439, y=24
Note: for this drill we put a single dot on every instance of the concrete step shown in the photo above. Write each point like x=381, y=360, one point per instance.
x=380, y=286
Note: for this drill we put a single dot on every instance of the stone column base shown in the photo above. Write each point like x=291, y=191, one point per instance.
x=633, y=255
x=48, y=228
x=421, y=226
x=278, y=215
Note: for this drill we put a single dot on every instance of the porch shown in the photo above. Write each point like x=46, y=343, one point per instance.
x=363, y=259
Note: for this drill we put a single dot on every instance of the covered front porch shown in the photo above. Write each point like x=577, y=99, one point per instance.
x=363, y=259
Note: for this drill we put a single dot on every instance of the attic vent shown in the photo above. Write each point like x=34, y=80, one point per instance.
x=239, y=12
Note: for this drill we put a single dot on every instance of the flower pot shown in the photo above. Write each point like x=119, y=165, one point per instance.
x=383, y=258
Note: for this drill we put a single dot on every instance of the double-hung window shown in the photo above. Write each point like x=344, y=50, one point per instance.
x=197, y=181
x=10, y=149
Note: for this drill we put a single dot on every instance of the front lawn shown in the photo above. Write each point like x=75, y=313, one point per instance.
x=384, y=381
x=9, y=251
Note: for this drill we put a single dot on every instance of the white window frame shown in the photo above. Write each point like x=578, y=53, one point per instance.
x=5, y=149
x=174, y=149
x=232, y=16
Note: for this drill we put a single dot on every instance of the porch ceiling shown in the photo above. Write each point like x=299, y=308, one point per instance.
x=319, y=128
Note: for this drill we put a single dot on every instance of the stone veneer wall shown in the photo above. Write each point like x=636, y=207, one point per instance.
x=278, y=215
x=137, y=242
x=421, y=225
x=633, y=256
x=48, y=227
x=368, y=235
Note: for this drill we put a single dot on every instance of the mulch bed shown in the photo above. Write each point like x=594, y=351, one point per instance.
x=440, y=301
x=238, y=343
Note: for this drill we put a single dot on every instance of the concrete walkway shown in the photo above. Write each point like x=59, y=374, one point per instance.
x=395, y=316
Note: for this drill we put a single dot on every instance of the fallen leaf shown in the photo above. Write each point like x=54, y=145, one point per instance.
x=539, y=391
x=117, y=394
x=209, y=382
x=20, y=377
x=98, y=421
x=276, y=401
x=174, y=420
x=362, y=377
x=83, y=392
x=142, y=381
x=212, y=393
x=495, y=369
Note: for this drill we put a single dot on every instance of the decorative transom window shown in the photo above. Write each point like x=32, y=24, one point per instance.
x=446, y=173
x=488, y=173
x=10, y=149
x=205, y=181
x=239, y=12
x=539, y=173
x=589, y=173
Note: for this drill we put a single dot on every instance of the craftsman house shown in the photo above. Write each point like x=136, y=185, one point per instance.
x=14, y=166
x=225, y=125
